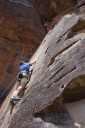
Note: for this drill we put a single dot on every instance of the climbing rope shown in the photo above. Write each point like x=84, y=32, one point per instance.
x=7, y=88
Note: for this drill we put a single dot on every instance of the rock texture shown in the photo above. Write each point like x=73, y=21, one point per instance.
x=78, y=8
x=51, y=11
x=59, y=73
x=58, y=77
x=61, y=61
x=21, y=32
x=48, y=9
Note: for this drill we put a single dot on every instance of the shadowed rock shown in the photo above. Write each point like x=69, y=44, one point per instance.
x=48, y=9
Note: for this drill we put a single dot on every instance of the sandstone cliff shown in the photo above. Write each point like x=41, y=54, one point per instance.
x=58, y=78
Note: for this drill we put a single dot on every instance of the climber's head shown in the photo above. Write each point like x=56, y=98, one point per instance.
x=21, y=62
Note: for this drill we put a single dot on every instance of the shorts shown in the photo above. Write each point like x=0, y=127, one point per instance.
x=18, y=83
x=24, y=81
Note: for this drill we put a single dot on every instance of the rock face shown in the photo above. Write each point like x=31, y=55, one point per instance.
x=51, y=11
x=48, y=9
x=78, y=8
x=60, y=63
x=21, y=32
x=58, y=76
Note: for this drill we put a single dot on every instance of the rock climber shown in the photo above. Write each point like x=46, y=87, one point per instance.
x=22, y=80
x=23, y=75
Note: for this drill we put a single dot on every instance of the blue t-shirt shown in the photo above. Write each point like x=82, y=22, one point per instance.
x=25, y=67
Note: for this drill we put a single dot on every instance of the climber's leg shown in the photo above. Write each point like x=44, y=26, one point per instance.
x=11, y=106
x=24, y=82
x=21, y=91
x=18, y=83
